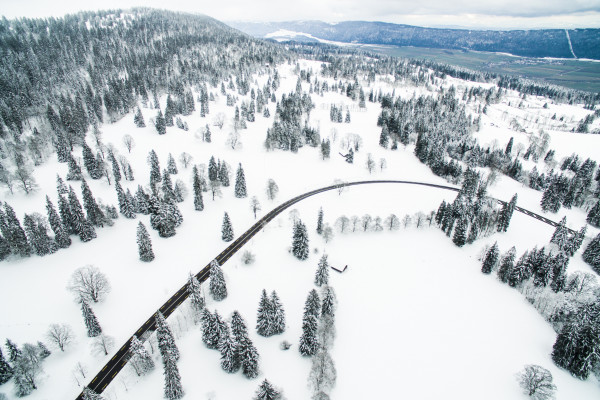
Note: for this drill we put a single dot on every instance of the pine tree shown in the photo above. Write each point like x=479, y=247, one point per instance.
x=6, y=371
x=173, y=388
x=217, y=286
x=249, y=359
x=140, y=359
x=460, y=233
x=300, y=247
x=82, y=226
x=166, y=342
x=43, y=350
x=322, y=274
x=115, y=166
x=61, y=236
x=94, y=214
x=38, y=237
x=91, y=322
x=197, y=184
x=263, y=319
x=240, y=183
x=328, y=307
x=144, y=243
x=519, y=272
x=13, y=351
x=593, y=217
x=61, y=188
x=210, y=336
x=559, y=265
x=226, y=229
x=308, y=341
x=591, y=254
x=154, y=169
x=506, y=214
x=320, y=221
x=224, y=174
x=138, y=119
x=140, y=201
x=561, y=234
x=491, y=258
x=195, y=295
x=4, y=248
x=213, y=172
x=228, y=348
x=89, y=394
x=507, y=264
x=278, y=314
x=160, y=124
x=171, y=165
x=66, y=216
x=89, y=161
x=15, y=235
x=74, y=173
x=266, y=391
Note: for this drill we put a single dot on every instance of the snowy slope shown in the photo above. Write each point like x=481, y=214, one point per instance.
x=416, y=318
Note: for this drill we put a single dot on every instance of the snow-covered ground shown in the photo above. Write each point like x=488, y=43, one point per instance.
x=416, y=318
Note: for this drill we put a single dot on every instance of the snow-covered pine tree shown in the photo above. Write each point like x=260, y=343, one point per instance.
x=226, y=229
x=74, y=173
x=593, y=217
x=328, y=307
x=240, y=183
x=115, y=166
x=89, y=394
x=173, y=388
x=460, y=233
x=129, y=205
x=66, y=216
x=4, y=248
x=278, y=314
x=61, y=188
x=308, y=341
x=13, y=350
x=229, y=351
x=195, y=295
x=160, y=124
x=197, y=185
x=300, y=247
x=144, y=243
x=43, y=350
x=154, y=170
x=166, y=342
x=210, y=336
x=490, y=260
x=249, y=359
x=91, y=322
x=591, y=254
x=264, y=316
x=140, y=360
x=322, y=274
x=138, y=119
x=140, y=202
x=320, y=221
x=266, y=391
x=561, y=234
x=38, y=237
x=6, y=371
x=217, y=286
x=14, y=233
x=171, y=165
x=507, y=264
x=89, y=161
x=61, y=236
x=519, y=272
x=559, y=265
x=94, y=214
x=82, y=226
x=224, y=174
x=167, y=187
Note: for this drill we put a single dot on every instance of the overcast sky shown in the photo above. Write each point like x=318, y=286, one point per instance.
x=466, y=13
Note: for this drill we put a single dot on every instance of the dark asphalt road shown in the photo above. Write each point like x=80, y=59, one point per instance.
x=119, y=360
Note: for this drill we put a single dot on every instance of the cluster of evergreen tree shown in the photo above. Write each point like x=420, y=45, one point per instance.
x=236, y=347
x=271, y=316
x=169, y=352
x=591, y=254
x=289, y=130
x=472, y=214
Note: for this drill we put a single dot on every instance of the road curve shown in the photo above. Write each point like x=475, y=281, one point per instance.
x=121, y=357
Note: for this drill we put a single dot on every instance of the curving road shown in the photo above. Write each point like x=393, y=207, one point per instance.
x=119, y=360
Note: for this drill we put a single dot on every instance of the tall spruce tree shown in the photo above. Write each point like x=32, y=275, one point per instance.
x=4, y=248
x=591, y=254
x=61, y=188
x=209, y=334
x=240, y=183
x=226, y=229
x=144, y=243
x=171, y=165
x=278, y=314
x=138, y=119
x=160, y=124
x=94, y=214
x=155, y=176
x=320, y=221
x=217, y=286
x=195, y=295
x=89, y=394
x=322, y=274
x=197, y=185
x=166, y=342
x=167, y=187
x=561, y=234
x=13, y=350
x=140, y=359
x=90, y=163
x=593, y=217
x=229, y=352
x=14, y=232
x=300, y=247
x=41, y=243
x=266, y=391
x=460, y=233
x=507, y=264
x=74, y=173
x=91, y=322
x=224, y=174
x=173, y=389
x=490, y=260
x=83, y=227
x=61, y=236
x=66, y=216
x=140, y=202
x=263, y=319
x=308, y=341
x=6, y=371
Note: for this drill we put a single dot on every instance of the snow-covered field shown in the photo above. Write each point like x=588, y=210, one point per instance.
x=415, y=318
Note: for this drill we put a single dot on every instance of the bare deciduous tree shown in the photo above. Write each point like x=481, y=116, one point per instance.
x=406, y=221
x=60, y=335
x=370, y=163
x=341, y=186
x=185, y=159
x=215, y=189
x=102, y=345
x=128, y=142
x=88, y=282
x=392, y=222
x=255, y=205
x=247, y=257
x=382, y=164
x=355, y=222
x=365, y=222
x=327, y=233
x=536, y=382
x=219, y=120
x=233, y=140
x=342, y=223
x=272, y=189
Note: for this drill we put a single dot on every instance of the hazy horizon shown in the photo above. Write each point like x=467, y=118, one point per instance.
x=469, y=14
